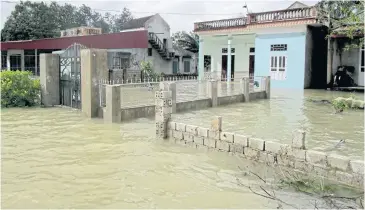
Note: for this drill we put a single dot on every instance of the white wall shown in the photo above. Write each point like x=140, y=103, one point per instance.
x=212, y=45
x=159, y=26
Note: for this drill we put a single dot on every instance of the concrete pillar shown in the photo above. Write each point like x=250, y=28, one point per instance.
x=229, y=60
x=163, y=110
x=298, y=140
x=8, y=61
x=112, y=112
x=50, y=79
x=267, y=86
x=22, y=60
x=201, y=61
x=36, y=62
x=172, y=88
x=213, y=92
x=246, y=90
x=242, y=85
x=94, y=68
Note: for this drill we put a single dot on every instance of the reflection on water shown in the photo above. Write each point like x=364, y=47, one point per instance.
x=287, y=111
x=55, y=158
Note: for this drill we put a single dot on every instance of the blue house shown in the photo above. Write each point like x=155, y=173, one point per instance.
x=288, y=45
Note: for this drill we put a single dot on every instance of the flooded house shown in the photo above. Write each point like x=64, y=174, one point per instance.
x=289, y=45
x=142, y=39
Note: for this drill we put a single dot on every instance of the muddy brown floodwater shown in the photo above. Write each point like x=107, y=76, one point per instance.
x=55, y=158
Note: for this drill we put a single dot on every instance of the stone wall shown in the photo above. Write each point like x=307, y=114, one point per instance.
x=333, y=167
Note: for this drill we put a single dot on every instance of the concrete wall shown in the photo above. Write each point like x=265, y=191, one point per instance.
x=135, y=112
x=295, y=58
x=212, y=45
x=313, y=163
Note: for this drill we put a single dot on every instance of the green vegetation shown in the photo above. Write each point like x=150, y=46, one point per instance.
x=18, y=89
x=340, y=104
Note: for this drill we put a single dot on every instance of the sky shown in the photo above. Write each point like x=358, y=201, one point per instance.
x=180, y=15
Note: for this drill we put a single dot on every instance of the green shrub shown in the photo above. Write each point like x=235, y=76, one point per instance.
x=18, y=89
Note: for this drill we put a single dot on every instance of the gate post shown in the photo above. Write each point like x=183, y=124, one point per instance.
x=112, y=109
x=50, y=79
x=267, y=87
x=163, y=109
x=94, y=67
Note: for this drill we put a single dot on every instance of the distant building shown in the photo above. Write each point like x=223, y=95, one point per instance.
x=143, y=39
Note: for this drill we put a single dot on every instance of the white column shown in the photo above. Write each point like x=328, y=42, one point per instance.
x=8, y=61
x=201, y=61
x=36, y=62
x=229, y=60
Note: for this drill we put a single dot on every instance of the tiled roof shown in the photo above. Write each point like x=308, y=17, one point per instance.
x=136, y=23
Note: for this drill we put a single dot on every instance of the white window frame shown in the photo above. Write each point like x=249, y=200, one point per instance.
x=278, y=67
x=227, y=51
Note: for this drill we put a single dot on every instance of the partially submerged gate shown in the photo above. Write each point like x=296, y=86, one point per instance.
x=70, y=76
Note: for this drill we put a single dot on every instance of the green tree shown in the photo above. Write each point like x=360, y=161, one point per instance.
x=341, y=17
x=37, y=20
x=186, y=41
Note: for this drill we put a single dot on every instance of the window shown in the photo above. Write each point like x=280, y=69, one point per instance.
x=116, y=63
x=124, y=62
x=207, y=63
x=252, y=50
x=149, y=51
x=187, y=66
x=278, y=67
x=225, y=50
x=29, y=63
x=279, y=47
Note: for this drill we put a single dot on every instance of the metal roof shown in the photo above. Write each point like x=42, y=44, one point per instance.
x=120, y=40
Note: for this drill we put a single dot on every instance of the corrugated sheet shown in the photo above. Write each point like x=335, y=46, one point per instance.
x=121, y=40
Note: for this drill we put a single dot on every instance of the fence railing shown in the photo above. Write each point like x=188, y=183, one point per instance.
x=254, y=18
x=290, y=14
x=142, y=93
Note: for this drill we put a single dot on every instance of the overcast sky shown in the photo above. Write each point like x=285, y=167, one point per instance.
x=180, y=15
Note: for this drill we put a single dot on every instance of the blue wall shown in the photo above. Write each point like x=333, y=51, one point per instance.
x=295, y=58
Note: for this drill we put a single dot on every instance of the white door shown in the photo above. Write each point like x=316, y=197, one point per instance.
x=278, y=67
x=361, y=68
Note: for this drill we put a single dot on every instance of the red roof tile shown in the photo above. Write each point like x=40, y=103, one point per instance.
x=121, y=40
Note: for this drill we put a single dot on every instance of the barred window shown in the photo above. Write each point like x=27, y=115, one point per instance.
x=279, y=47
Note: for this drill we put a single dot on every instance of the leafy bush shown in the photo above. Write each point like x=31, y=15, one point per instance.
x=18, y=89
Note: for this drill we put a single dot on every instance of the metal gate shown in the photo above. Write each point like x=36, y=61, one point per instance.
x=70, y=76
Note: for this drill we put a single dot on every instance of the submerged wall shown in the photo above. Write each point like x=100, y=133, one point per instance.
x=333, y=167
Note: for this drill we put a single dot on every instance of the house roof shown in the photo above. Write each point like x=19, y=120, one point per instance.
x=120, y=40
x=342, y=32
x=296, y=5
x=136, y=23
